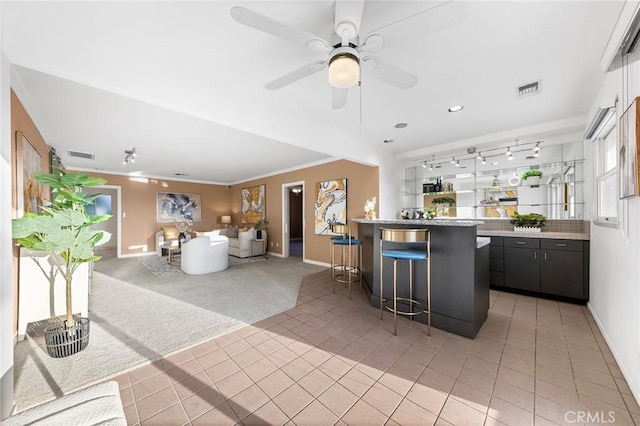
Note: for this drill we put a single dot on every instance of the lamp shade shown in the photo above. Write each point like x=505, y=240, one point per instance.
x=344, y=70
x=225, y=219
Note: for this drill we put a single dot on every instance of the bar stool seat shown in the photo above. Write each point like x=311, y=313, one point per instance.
x=350, y=271
x=410, y=237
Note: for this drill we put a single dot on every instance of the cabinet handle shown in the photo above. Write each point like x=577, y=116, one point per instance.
x=535, y=255
x=545, y=255
x=521, y=243
x=560, y=245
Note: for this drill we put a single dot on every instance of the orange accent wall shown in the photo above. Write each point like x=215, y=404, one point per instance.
x=362, y=183
x=139, y=207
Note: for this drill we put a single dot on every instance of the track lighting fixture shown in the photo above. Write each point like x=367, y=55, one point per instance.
x=536, y=149
x=457, y=163
x=130, y=156
x=430, y=166
x=479, y=157
x=508, y=153
x=453, y=160
x=484, y=160
x=424, y=164
x=510, y=156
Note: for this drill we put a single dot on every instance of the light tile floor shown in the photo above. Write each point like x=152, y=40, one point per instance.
x=331, y=360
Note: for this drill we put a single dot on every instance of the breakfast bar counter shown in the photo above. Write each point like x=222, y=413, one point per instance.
x=459, y=271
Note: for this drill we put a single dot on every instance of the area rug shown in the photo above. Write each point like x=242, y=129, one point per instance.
x=137, y=318
x=159, y=266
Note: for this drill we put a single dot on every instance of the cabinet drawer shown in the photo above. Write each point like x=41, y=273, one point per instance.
x=496, y=252
x=496, y=265
x=533, y=243
x=572, y=245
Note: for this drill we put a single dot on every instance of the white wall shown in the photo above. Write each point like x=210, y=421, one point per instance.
x=6, y=288
x=615, y=252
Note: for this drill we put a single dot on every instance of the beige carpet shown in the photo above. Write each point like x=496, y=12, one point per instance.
x=137, y=318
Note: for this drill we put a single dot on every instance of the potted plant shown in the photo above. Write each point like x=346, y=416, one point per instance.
x=532, y=177
x=532, y=222
x=262, y=225
x=63, y=230
x=443, y=201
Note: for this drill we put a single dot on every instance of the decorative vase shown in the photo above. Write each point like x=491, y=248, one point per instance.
x=258, y=234
x=181, y=239
x=62, y=342
x=371, y=214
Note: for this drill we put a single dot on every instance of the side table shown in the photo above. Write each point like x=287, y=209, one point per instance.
x=262, y=241
x=173, y=252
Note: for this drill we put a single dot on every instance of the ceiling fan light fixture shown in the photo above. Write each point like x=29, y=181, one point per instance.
x=344, y=68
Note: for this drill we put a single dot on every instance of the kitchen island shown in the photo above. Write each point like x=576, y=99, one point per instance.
x=459, y=271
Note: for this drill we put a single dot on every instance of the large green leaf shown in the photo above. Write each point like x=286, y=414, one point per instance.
x=99, y=218
x=51, y=180
x=72, y=218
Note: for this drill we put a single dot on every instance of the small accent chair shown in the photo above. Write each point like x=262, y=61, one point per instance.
x=350, y=268
x=411, y=245
x=168, y=236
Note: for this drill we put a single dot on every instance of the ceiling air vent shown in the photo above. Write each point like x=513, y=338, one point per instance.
x=528, y=89
x=79, y=154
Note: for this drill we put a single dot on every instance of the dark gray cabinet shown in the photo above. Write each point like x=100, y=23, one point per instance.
x=522, y=263
x=544, y=266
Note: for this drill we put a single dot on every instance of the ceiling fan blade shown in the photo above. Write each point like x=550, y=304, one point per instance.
x=270, y=26
x=339, y=97
x=296, y=75
x=388, y=73
x=348, y=11
x=439, y=16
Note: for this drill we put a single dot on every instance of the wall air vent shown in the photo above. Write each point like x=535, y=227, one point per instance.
x=529, y=89
x=78, y=154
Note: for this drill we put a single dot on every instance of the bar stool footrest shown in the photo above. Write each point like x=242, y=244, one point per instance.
x=422, y=310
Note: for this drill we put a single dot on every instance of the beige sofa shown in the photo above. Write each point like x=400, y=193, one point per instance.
x=242, y=242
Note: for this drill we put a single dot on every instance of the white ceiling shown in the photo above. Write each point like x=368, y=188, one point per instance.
x=184, y=83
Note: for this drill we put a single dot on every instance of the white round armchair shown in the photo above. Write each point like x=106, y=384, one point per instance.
x=204, y=255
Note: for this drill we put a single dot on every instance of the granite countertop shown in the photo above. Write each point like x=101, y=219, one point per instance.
x=543, y=234
x=430, y=222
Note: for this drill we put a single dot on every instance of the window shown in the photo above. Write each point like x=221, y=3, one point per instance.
x=606, y=168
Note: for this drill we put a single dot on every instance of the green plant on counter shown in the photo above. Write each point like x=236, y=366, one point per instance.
x=443, y=200
x=531, y=220
x=530, y=173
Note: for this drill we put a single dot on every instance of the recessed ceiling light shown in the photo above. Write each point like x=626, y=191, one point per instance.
x=456, y=108
x=494, y=163
x=388, y=141
x=401, y=125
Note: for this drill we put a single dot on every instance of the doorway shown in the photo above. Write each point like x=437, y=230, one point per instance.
x=293, y=220
x=107, y=203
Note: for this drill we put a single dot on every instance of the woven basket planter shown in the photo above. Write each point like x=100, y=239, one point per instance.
x=526, y=229
x=62, y=342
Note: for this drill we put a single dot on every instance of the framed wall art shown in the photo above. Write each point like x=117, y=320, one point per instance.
x=628, y=156
x=29, y=161
x=253, y=204
x=175, y=207
x=331, y=205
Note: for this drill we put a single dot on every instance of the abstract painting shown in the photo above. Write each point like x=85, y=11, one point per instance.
x=29, y=191
x=331, y=205
x=174, y=207
x=253, y=204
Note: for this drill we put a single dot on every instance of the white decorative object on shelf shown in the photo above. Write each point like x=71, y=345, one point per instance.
x=526, y=229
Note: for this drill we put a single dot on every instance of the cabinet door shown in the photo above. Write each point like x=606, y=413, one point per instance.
x=522, y=268
x=562, y=273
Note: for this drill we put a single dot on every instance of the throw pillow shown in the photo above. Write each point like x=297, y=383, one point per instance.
x=170, y=233
x=224, y=232
x=232, y=232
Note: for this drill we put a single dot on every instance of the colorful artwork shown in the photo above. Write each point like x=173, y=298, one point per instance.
x=331, y=205
x=179, y=207
x=253, y=204
x=31, y=162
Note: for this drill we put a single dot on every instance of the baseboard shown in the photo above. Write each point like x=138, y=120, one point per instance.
x=315, y=262
x=150, y=253
x=270, y=253
x=622, y=367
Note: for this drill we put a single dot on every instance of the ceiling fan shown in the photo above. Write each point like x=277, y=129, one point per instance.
x=346, y=57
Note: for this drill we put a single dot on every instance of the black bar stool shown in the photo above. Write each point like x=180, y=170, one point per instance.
x=350, y=269
x=411, y=238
